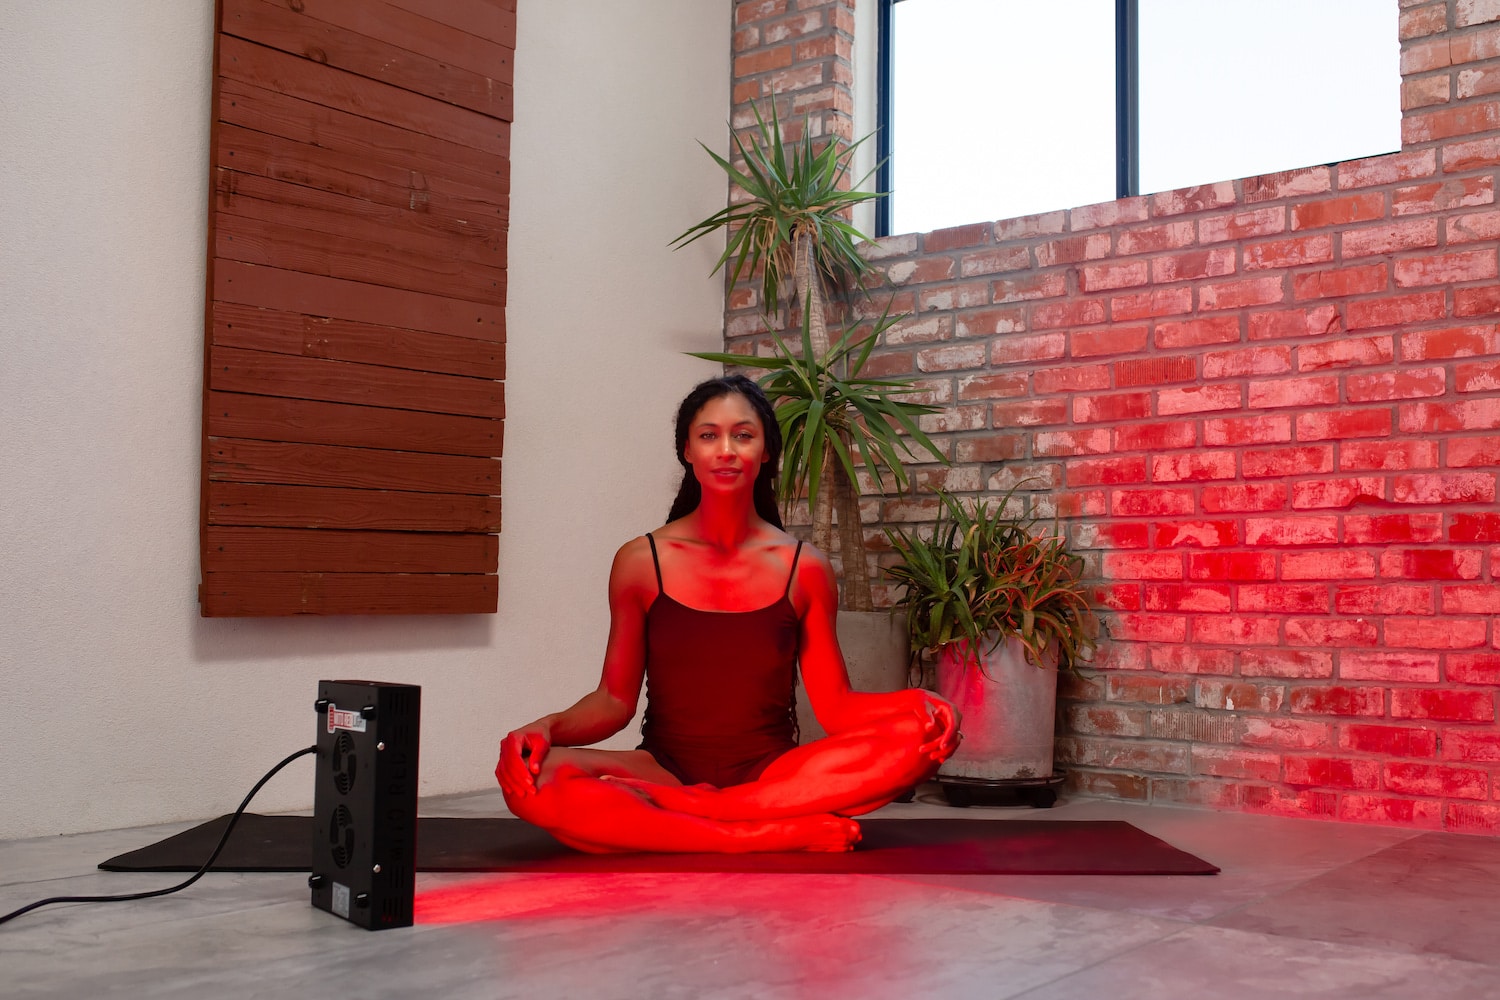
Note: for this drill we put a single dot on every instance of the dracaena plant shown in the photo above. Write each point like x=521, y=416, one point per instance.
x=789, y=227
x=833, y=420
x=791, y=224
x=981, y=575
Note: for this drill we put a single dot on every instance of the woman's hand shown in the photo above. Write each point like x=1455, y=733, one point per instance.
x=942, y=721
x=521, y=755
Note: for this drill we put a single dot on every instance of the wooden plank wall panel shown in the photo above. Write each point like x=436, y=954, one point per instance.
x=494, y=19
x=274, y=418
x=353, y=402
x=261, y=232
x=344, y=382
x=239, y=595
x=259, y=505
x=343, y=340
x=291, y=206
x=404, y=27
x=344, y=35
x=315, y=295
x=263, y=550
x=337, y=143
x=239, y=461
x=247, y=62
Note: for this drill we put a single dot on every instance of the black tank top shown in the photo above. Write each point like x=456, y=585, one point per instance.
x=719, y=685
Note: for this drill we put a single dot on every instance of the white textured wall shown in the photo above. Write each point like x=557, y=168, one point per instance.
x=118, y=704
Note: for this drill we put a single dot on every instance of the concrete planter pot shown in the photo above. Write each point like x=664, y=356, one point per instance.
x=875, y=647
x=1009, y=716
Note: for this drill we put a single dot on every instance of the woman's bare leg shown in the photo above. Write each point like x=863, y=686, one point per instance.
x=848, y=774
x=578, y=805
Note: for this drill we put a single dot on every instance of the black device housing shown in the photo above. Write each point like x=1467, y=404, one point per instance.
x=365, y=802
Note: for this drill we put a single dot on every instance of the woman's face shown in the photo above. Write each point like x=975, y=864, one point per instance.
x=726, y=444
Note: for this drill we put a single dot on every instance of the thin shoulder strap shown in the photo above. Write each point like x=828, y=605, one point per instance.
x=657, y=563
x=793, y=574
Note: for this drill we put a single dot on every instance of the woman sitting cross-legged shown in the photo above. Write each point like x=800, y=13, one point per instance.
x=715, y=612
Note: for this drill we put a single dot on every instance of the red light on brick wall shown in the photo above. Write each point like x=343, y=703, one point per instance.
x=1271, y=409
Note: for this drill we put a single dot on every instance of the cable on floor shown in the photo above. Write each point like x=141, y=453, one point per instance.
x=192, y=878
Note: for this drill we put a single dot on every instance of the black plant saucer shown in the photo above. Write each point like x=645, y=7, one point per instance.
x=1039, y=793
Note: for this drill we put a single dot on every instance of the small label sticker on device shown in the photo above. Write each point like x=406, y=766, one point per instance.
x=341, y=900
x=340, y=719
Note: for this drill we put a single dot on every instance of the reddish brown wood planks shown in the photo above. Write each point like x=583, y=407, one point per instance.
x=322, y=84
x=345, y=382
x=226, y=595
x=341, y=340
x=353, y=417
x=485, y=18
x=345, y=46
x=271, y=418
x=485, y=56
x=447, y=233
x=317, y=295
x=301, y=136
x=232, y=460
x=256, y=504
x=298, y=550
x=391, y=259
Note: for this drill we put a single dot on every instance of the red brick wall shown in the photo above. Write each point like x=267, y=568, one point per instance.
x=1269, y=411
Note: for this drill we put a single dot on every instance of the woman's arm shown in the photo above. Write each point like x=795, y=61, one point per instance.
x=838, y=707
x=608, y=708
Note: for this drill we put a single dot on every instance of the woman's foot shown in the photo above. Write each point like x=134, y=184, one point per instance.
x=824, y=833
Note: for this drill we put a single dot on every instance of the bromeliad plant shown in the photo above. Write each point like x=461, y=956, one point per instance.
x=982, y=572
x=827, y=410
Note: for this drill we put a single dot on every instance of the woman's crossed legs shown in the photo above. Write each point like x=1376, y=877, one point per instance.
x=589, y=800
x=611, y=800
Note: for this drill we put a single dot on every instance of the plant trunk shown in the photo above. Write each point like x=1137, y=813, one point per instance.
x=837, y=492
x=809, y=294
x=852, y=545
x=806, y=283
x=822, y=512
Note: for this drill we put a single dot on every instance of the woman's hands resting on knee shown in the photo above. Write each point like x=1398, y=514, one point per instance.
x=940, y=720
x=521, y=755
x=937, y=719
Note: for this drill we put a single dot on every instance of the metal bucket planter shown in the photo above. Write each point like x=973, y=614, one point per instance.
x=1009, y=715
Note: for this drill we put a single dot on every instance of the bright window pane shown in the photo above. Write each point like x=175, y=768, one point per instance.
x=1000, y=109
x=1232, y=90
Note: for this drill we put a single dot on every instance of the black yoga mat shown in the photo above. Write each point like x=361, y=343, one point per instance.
x=889, y=846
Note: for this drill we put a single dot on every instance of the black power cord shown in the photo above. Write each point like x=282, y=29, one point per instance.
x=192, y=878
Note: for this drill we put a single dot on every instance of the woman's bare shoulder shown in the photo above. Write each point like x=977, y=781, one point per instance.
x=815, y=578
x=637, y=548
x=812, y=564
x=634, y=570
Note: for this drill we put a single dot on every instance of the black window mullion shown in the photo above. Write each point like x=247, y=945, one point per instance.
x=1127, y=99
x=884, y=149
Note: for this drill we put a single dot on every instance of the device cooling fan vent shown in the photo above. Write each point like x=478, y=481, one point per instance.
x=344, y=762
x=341, y=836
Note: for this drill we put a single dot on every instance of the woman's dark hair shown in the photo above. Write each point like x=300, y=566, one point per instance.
x=690, y=493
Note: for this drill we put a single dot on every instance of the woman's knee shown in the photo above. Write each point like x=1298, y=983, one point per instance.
x=546, y=802
x=535, y=806
x=911, y=741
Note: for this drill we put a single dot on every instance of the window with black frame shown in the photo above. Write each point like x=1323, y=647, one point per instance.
x=992, y=109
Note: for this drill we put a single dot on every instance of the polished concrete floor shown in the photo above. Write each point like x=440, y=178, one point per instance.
x=1302, y=908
